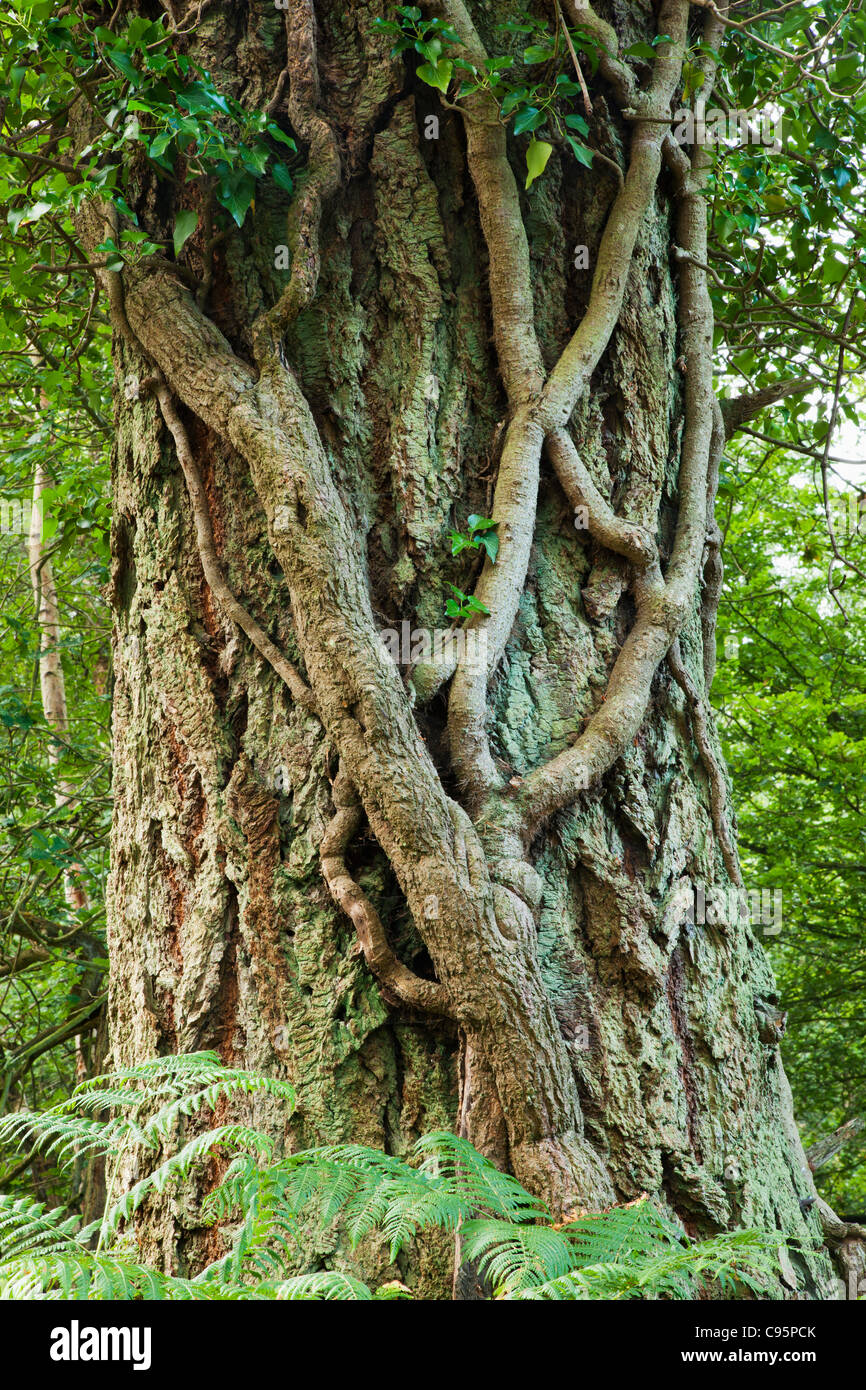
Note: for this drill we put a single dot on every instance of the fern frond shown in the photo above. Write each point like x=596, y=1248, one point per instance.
x=180, y=1165
x=25, y=1225
x=516, y=1257
x=229, y=1084
x=174, y=1073
x=263, y=1246
x=633, y=1229
x=734, y=1261
x=461, y=1170
x=66, y=1136
x=633, y=1251
x=106, y=1278
x=371, y=1190
x=325, y=1284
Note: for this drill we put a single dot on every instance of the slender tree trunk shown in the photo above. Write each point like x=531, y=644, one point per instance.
x=51, y=679
x=438, y=897
x=89, y=1050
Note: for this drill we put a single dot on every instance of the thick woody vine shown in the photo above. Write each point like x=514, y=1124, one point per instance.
x=472, y=858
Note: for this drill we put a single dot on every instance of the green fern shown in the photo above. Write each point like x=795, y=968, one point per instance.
x=443, y=1183
x=733, y=1262
x=26, y=1226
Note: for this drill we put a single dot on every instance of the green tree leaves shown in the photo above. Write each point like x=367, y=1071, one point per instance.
x=481, y=535
x=537, y=155
x=184, y=225
x=437, y=74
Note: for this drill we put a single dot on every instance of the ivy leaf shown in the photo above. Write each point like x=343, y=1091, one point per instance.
x=197, y=98
x=236, y=195
x=490, y=541
x=125, y=64
x=833, y=271
x=513, y=99
x=123, y=206
x=580, y=152
x=464, y=606
x=276, y=134
x=282, y=178
x=460, y=543
x=537, y=155
x=160, y=144
x=184, y=225
x=640, y=50
x=577, y=123
x=537, y=53
x=438, y=75
x=475, y=607
x=527, y=119
x=37, y=210
x=480, y=523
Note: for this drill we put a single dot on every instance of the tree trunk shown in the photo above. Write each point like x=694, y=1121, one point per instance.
x=435, y=897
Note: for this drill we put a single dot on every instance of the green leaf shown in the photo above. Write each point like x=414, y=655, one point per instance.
x=235, y=194
x=833, y=271
x=475, y=607
x=514, y=99
x=184, y=225
x=537, y=155
x=160, y=144
x=480, y=523
x=125, y=64
x=276, y=134
x=581, y=153
x=640, y=50
x=36, y=211
x=537, y=53
x=437, y=76
x=528, y=118
x=282, y=178
x=490, y=541
x=198, y=98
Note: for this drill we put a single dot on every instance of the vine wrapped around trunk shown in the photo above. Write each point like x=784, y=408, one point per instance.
x=458, y=893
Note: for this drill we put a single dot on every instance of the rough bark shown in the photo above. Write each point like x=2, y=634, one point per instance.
x=299, y=446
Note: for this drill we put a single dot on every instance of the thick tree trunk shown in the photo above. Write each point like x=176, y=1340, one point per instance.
x=541, y=982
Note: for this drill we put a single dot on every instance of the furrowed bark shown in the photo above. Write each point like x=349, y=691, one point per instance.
x=491, y=982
